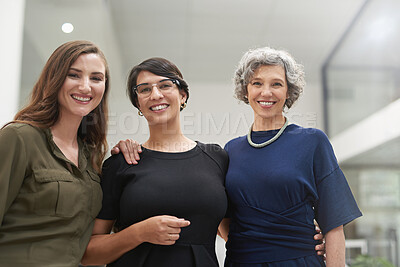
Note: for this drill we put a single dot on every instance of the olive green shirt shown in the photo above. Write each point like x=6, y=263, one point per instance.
x=47, y=204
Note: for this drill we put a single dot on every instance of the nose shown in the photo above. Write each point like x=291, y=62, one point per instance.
x=266, y=91
x=155, y=92
x=84, y=85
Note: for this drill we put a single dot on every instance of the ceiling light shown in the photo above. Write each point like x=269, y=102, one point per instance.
x=67, y=27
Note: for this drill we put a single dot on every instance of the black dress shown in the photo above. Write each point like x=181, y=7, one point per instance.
x=187, y=185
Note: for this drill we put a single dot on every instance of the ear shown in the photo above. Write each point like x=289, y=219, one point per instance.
x=183, y=96
x=137, y=103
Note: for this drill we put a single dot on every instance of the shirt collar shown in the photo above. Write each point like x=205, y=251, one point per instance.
x=84, y=152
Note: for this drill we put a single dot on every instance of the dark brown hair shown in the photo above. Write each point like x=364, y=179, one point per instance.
x=158, y=66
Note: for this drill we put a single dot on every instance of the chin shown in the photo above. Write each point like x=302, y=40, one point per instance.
x=82, y=114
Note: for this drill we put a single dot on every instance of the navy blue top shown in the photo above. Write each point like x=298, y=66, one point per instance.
x=277, y=191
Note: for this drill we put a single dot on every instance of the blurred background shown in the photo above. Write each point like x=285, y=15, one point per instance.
x=350, y=50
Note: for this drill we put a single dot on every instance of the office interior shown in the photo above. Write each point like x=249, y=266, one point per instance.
x=350, y=50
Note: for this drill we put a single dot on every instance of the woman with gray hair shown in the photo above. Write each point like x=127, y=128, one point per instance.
x=281, y=177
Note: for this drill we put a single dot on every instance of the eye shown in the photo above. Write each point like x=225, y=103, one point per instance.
x=165, y=86
x=97, y=79
x=144, y=89
x=72, y=75
x=277, y=84
x=256, y=84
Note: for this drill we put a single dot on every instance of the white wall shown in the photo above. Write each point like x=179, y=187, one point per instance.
x=11, y=13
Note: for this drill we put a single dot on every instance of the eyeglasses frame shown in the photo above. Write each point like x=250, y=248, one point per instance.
x=173, y=80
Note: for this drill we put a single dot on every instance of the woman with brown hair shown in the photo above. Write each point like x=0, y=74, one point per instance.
x=52, y=154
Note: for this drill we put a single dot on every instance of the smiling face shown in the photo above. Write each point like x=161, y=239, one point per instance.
x=159, y=106
x=267, y=92
x=84, y=86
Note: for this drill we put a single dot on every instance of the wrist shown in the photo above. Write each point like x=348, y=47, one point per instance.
x=136, y=232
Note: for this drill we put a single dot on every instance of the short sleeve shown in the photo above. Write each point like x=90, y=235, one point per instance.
x=217, y=154
x=112, y=187
x=336, y=204
x=12, y=167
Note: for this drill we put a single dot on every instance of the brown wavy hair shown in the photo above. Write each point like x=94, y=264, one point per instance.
x=43, y=108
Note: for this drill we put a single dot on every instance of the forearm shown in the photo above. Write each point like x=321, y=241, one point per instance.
x=223, y=228
x=335, y=247
x=106, y=248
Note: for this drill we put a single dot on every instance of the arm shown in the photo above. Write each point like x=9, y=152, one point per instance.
x=223, y=228
x=335, y=247
x=104, y=247
x=12, y=168
x=130, y=149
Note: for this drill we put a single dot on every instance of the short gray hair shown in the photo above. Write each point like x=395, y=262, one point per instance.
x=255, y=58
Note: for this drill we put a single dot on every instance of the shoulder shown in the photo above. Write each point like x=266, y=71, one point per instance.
x=317, y=141
x=235, y=141
x=114, y=169
x=213, y=149
x=115, y=162
x=21, y=131
x=216, y=153
x=307, y=134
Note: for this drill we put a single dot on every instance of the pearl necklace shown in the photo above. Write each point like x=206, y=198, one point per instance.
x=268, y=141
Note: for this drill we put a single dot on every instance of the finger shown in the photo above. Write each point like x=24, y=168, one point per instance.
x=140, y=148
x=137, y=150
x=115, y=150
x=178, y=223
x=317, y=229
x=172, y=237
x=318, y=237
x=132, y=150
x=168, y=242
x=125, y=150
x=174, y=230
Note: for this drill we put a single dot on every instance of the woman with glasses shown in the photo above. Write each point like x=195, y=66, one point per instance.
x=166, y=210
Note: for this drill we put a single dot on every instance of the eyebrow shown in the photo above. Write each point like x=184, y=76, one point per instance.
x=167, y=79
x=78, y=70
x=273, y=79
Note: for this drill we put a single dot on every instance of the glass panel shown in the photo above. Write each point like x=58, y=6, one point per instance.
x=363, y=75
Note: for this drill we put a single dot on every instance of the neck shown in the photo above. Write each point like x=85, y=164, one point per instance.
x=168, y=138
x=66, y=129
x=266, y=124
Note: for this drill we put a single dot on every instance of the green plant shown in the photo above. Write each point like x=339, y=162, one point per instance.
x=368, y=261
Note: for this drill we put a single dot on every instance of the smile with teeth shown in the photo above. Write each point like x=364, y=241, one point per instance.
x=80, y=98
x=159, y=107
x=266, y=103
